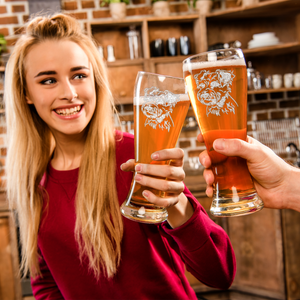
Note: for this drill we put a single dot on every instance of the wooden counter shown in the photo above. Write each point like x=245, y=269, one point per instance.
x=267, y=247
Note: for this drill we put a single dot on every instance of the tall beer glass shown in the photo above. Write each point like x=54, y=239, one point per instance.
x=160, y=107
x=217, y=87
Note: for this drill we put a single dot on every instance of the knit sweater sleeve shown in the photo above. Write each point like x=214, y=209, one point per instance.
x=205, y=248
x=44, y=287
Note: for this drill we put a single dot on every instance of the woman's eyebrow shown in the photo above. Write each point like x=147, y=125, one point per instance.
x=79, y=68
x=45, y=73
x=50, y=72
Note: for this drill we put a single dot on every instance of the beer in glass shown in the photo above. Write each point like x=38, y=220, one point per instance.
x=217, y=87
x=160, y=108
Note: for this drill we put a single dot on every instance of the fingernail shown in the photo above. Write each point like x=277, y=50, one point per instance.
x=219, y=144
x=154, y=156
x=145, y=194
x=138, y=177
x=138, y=168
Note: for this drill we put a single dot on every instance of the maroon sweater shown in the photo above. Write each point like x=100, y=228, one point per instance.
x=153, y=256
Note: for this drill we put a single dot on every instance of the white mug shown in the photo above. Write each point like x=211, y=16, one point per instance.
x=297, y=80
x=288, y=80
x=277, y=81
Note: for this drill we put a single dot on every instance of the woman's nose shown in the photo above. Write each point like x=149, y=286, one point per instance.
x=67, y=92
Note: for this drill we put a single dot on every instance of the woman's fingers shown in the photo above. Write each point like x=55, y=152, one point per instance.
x=205, y=159
x=128, y=166
x=163, y=171
x=175, y=155
x=200, y=138
x=167, y=201
x=160, y=184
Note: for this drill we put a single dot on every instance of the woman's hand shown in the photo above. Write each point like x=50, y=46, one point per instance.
x=276, y=182
x=178, y=206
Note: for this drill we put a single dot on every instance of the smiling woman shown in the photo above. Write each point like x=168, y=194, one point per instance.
x=62, y=92
x=65, y=183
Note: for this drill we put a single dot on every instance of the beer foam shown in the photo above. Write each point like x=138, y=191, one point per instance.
x=189, y=66
x=142, y=99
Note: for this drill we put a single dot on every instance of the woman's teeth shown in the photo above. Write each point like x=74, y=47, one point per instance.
x=68, y=111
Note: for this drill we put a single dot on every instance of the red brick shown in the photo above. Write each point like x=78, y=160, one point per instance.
x=184, y=144
x=187, y=134
x=178, y=8
x=293, y=113
x=18, y=30
x=139, y=11
x=194, y=153
x=101, y=14
x=1, y=141
x=79, y=16
x=289, y=103
x=9, y=20
x=3, y=184
x=71, y=5
x=4, y=31
x=262, y=106
x=2, y=162
x=25, y=18
x=198, y=144
x=18, y=8
x=3, y=151
x=87, y=4
x=2, y=129
x=2, y=172
x=138, y=2
x=128, y=107
x=11, y=42
x=277, y=115
x=263, y=116
x=126, y=118
x=3, y=10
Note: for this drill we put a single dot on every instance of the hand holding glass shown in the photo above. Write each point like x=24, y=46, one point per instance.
x=160, y=108
x=217, y=87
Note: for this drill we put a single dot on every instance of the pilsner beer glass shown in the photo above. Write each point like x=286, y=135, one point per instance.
x=160, y=107
x=217, y=87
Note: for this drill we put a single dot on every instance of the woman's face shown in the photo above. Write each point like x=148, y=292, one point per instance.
x=60, y=84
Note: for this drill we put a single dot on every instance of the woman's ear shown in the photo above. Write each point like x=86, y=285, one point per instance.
x=28, y=100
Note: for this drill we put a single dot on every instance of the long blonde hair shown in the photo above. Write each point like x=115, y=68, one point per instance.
x=99, y=227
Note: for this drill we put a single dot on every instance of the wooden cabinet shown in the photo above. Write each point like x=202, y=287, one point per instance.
x=10, y=285
x=123, y=71
x=279, y=16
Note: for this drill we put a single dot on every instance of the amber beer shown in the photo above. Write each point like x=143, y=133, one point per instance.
x=218, y=93
x=152, y=135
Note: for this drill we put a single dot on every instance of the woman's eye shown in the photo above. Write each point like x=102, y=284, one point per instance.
x=48, y=81
x=80, y=76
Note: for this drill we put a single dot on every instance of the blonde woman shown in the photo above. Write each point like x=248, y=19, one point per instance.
x=68, y=172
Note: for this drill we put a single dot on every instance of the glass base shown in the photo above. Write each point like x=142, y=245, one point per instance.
x=143, y=214
x=229, y=207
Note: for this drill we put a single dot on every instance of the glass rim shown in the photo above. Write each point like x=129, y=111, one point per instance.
x=156, y=74
x=238, y=50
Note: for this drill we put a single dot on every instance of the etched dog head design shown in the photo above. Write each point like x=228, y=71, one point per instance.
x=214, y=89
x=158, y=107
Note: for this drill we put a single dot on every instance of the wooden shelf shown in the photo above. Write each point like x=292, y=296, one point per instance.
x=261, y=10
x=263, y=91
x=279, y=49
x=125, y=62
